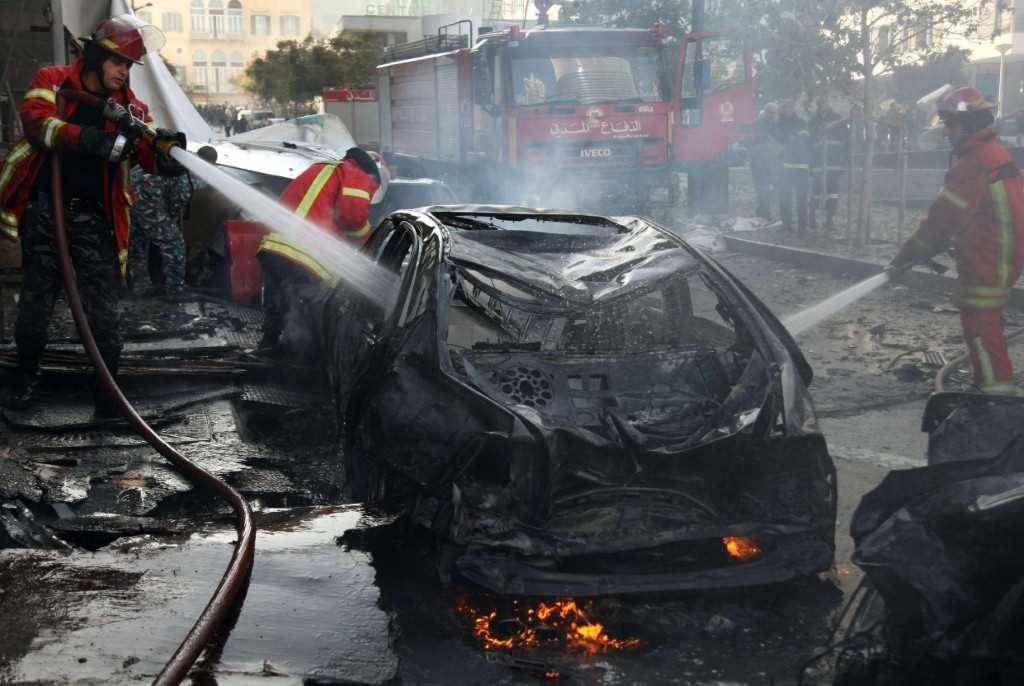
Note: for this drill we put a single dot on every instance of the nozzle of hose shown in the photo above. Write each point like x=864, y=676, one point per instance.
x=129, y=125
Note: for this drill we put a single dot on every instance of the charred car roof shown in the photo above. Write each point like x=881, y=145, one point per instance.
x=606, y=259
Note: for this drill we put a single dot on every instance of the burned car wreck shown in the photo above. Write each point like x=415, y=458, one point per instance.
x=943, y=599
x=579, y=405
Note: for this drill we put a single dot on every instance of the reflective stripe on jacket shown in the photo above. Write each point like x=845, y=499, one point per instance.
x=980, y=212
x=335, y=196
x=46, y=131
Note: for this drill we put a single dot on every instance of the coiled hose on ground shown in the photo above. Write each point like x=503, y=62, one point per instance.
x=236, y=576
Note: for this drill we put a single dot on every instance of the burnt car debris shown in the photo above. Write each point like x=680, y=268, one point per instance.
x=944, y=576
x=579, y=404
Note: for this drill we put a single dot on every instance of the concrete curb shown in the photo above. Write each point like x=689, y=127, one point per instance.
x=839, y=264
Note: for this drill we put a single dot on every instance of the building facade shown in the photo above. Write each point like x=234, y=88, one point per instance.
x=210, y=42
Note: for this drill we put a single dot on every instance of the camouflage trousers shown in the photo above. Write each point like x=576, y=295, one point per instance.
x=156, y=237
x=94, y=254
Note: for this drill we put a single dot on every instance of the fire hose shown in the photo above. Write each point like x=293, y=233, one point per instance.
x=233, y=582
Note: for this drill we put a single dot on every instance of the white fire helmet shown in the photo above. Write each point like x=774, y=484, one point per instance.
x=385, y=178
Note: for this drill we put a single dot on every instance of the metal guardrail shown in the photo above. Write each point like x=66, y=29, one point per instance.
x=429, y=45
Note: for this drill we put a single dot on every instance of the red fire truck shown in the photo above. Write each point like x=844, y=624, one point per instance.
x=565, y=116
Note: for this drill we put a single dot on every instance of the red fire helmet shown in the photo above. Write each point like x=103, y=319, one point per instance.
x=127, y=36
x=962, y=100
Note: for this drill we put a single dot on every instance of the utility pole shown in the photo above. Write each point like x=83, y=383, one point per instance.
x=60, y=56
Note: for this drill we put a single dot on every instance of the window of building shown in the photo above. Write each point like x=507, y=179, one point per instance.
x=1003, y=18
x=882, y=39
x=925, y=39
x=218, y=72
x=289, y=25
x=234, y=16
x=171, y=22
x=260, y=25
x=199, y=70
x=236, y=69
x=198, y=17
x=217, y=17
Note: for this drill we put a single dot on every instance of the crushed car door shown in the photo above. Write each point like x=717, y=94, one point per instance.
x=352, y=324
x=397, y=248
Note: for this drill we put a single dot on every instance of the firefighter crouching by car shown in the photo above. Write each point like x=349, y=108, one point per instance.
x=96, y=159
x=980, y=214
x=334, y=196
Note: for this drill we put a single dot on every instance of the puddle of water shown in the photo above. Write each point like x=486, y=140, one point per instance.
x=311, y=609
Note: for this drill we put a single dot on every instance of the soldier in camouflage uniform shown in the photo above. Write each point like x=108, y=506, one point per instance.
x=156, y=224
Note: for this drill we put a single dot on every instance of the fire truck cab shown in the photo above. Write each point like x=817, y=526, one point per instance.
x=574, y=117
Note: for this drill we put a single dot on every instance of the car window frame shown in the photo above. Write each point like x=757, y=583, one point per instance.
x=400, y=228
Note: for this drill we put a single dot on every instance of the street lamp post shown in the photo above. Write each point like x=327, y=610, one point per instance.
x=1003, y=48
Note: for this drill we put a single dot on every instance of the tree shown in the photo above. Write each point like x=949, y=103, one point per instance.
x=881, y=36
x=811, y=47
x=912, y=81
x=673, y=14
x=296, y=72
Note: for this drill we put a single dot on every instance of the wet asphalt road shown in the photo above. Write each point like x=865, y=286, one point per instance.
x=338, y=596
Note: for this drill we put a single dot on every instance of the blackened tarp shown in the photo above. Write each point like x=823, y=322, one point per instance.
x=942, y=545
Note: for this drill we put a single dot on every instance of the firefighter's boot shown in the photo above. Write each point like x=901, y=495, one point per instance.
x=26, y=392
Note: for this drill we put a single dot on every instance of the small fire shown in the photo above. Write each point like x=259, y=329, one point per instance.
x=562, y=623
x=742, y=549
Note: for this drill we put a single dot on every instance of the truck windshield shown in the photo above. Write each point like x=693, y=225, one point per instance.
x=579, y=74
x=726, y=67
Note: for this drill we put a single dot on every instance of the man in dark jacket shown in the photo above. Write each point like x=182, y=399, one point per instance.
x=831, y=136
x=764, y=159
x=791, y=132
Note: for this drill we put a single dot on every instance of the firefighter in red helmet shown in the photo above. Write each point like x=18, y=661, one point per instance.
x=980, y=215
x=96, y=160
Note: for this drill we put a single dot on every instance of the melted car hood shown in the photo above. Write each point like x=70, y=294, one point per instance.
x=582, y=269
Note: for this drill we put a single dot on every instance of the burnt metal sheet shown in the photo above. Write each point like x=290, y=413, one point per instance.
x=578, y=268
x=283, y=395
x=63, y=414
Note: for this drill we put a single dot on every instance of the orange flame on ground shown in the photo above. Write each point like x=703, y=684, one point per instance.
x=741, y=548
x=562, y=623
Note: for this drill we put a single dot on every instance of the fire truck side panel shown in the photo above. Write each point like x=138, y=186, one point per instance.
x=414, y=108
x=387, y=143
x=724, y=111
x=446, y=77
x=723, y=115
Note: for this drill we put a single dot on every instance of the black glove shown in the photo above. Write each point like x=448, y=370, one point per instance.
x=177, y=137
x=111, y=146
x=128, y=125
x=165, y=164
x=909, y=254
